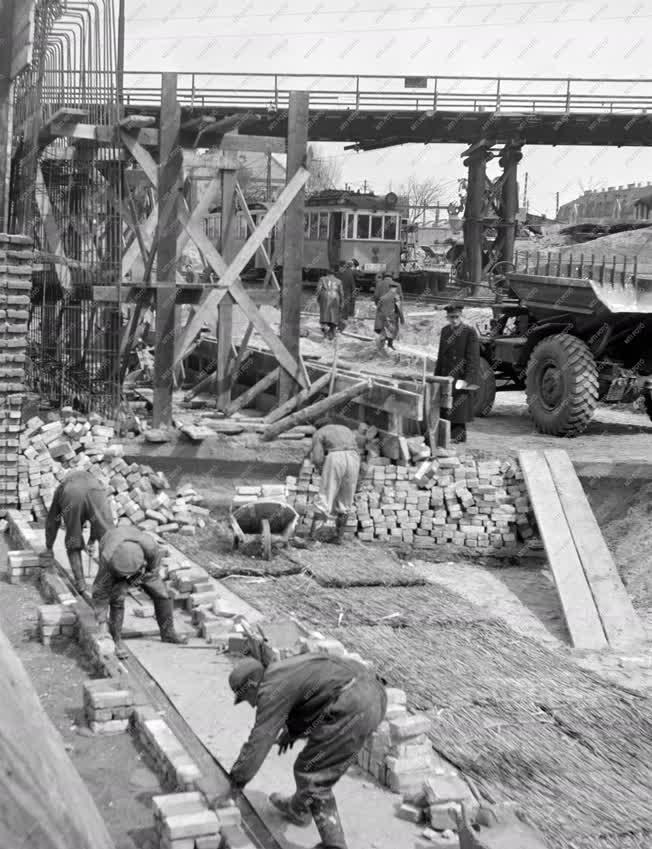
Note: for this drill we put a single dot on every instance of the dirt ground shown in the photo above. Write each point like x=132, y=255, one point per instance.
x=118, y=779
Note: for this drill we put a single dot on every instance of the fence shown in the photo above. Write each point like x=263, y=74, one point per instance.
x=603, y=269
x=73, y=356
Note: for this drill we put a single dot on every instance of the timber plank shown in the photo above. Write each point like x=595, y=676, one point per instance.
x=619, y=620
x=576, y=599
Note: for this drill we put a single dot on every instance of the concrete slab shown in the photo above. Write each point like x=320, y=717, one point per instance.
x=197, y=684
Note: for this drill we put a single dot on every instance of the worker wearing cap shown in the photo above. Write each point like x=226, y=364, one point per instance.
x=389, y=312
x=347, y=276
x=335, y=453
x=130, y=558
x=330, y=297
x=79, y=498
x=459, y=357
x=333, y=702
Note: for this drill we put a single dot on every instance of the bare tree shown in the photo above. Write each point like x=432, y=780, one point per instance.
x=325, y=171
x=420, y=193
x=253, y=189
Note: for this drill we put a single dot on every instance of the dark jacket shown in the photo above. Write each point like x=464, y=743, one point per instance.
x=459, y=357
x=331, y=437
x=294, y=693
x=78, y=499
x=330, y=298
x=347, y=277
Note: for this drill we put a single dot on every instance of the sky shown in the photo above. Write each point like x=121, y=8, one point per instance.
x=591, y=39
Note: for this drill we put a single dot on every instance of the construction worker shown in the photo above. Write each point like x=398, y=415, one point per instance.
x=459, y=357
x=389, y=312
x=130, y=558
x=383, y=282
x=335, y=453
x=79, y=498
x=330, y=297
x=347, y=276
x=333, y=702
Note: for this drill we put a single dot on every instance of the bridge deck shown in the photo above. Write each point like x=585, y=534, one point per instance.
x=381, y=111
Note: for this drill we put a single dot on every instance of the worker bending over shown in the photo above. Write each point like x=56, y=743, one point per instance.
x=333, y=702
x=335, y=453
x=130, y=558
x=79, y=498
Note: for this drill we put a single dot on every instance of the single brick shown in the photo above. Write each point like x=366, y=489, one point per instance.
x=178, y=803
x=405, y=727
x=192, y=824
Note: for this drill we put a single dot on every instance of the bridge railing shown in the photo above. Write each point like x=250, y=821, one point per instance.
x=371, y=93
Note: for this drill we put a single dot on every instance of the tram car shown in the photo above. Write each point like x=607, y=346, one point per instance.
x=338, y=225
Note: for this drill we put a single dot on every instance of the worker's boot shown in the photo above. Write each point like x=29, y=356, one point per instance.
x=116, y=619
x=163, y=610
x=291, y=810
x=329, y=826
x=340, y=527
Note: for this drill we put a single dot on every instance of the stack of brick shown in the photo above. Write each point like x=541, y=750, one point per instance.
x=56, y=622
x=15, y=286
x=184, y=821
x=175, y=766
x=479, y=504
x=246, y=494
x=107, y=706
x=22, y=566
x=139, y=495
x=190, y=586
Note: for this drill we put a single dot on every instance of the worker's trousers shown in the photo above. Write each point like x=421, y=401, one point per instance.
x=339, y=479
x=109, y=588
x=335, y=740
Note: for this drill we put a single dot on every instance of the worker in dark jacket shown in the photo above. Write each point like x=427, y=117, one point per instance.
x=330, y=298
x=79, y=498
x=130, y=558
x=389, y=312
x=335, y=703
x=347, y=276
x=335, y=453
x=459, y=357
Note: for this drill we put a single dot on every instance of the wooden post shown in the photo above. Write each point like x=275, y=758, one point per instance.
x=476, y=161
x=225, y=309
x=43, y=801
x=510, y=157
x=293, y=237
x=170, y=184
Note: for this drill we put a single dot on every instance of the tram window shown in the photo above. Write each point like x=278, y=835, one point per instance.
x=376, y=226
x=242, y=228
x=363, y=226
x=306, y=225
x=323, y=225
x=314, y=225
x=349, y=232
x=390, y=227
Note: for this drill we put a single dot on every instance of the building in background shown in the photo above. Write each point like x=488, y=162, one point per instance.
x=614, y=205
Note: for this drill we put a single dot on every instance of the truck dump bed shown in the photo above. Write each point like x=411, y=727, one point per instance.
x=581, y=296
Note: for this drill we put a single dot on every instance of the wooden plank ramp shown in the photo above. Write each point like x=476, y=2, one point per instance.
x=620, y=622
x=582, y=618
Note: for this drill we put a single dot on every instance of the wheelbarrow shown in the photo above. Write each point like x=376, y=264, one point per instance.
x=265, y=519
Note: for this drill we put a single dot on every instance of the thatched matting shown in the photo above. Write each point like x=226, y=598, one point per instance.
x=358, y=565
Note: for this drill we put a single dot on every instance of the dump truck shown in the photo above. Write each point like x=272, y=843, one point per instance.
x=570, y=335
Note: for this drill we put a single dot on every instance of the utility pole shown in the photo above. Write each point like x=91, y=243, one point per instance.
x=268, y=191
x=556, y=205
x=525, y=194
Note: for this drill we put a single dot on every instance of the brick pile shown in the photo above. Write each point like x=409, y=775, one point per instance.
x=175, y=766
x=55, y=622
x=446, y=499
x=22, y=566
x=184, y=821
x=139, y=495
x=107, y=706
x=15, y=286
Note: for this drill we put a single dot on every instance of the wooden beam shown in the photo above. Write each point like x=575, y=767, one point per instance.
x=243, y=354
x=390, y=399
x=299, y=399
x=316, y=410
x=52, y=235
x=252, y=227
x=229, y=279
x=298, y=118
x=225, y=310
x=100, y=133
x=249, y=394
x=43, y=801
x=170, y=185
x=619, y=620
x=255, y=144
x=576, y=599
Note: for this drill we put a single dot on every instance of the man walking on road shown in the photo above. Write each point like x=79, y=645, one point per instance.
x=330, y=298
x=459, y=357
x=78, y=499
x=130, y=558
x=335, y=453
x=333, y=702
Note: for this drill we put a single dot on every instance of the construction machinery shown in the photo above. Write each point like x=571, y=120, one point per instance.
x=569, y=333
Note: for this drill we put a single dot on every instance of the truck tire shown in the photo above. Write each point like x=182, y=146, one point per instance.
x=486, y=392
x=561, y=385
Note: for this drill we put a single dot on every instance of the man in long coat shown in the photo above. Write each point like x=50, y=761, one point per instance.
x=330, y=297
x=347, y=276
x=459, y=357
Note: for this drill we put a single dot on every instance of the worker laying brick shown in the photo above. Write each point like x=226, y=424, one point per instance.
x=79, y=498
x=130, y=558
x=335, y=703
x=335, y=452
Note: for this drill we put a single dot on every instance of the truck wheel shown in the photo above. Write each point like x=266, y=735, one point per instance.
x=561, y=385
x=486, y=393
x=648, y=403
